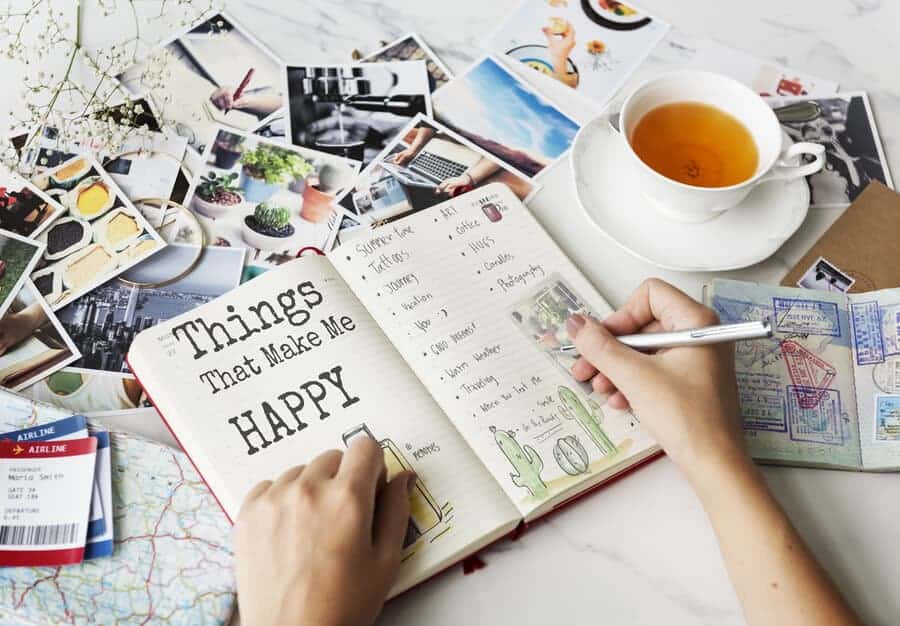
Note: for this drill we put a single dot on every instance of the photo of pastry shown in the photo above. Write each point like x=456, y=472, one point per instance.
x=853, y=153
x=33, y=343
x=267, y=197
x=216, y=72
x=412, y=48
x=496, y=111
x=354, y=110
x=83, y=391
x=100, y=235
x=18, y=258
x=592, y=46
x=104, y=322
x=425, y=165
x=24, y=209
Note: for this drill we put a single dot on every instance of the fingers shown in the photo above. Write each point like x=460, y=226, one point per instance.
x=618, y=363
x=657, y=301
x=323, y=467
x=392, y=514
x=258, y=490
x=363, y=469
x=289, y=476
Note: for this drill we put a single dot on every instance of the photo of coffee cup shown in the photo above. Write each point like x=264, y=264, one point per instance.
x=700, y=142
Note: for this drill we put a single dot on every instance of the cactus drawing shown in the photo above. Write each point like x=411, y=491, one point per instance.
x=526, y=462
x=587, y=419
x=571, y=456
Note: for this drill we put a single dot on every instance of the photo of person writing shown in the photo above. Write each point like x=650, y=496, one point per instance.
x=426, y=165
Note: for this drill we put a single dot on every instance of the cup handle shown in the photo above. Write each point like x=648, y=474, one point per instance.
x=785, y=168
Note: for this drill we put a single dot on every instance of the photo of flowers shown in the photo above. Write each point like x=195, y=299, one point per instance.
x=496, y=111
x=592, y=46
x=270, y=198
x=100, y=235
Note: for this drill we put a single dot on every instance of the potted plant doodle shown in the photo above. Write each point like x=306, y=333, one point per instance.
x=266, y=169
x=216, y=194
x=269, y=227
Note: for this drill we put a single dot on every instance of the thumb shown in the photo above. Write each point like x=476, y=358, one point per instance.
x=622, y=365
x=392, y=513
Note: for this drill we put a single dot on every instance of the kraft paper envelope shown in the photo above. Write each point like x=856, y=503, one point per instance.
x=862, y=243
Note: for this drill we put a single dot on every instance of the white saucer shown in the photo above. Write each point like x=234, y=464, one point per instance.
x=749, y=233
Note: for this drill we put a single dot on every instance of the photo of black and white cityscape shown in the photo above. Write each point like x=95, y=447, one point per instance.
x=104, y=322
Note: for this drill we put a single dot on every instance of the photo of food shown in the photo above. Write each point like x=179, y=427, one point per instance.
x=592, y=46
x=100, y=235
x=267, y=197
x=493, y=109
x=33, y=344
x=425, y=165
x=412, y=48
x=24, y=209
x=18, y=258
x=216, y=72
x=86, y=392
x=354, y=111
x=104, y=322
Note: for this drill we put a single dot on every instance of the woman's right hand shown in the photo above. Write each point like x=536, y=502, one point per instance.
x=685, y=397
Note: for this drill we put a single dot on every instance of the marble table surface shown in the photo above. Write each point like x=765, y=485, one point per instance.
x=641, y=551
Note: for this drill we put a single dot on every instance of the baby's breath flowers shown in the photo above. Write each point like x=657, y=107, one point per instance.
x=69, y=85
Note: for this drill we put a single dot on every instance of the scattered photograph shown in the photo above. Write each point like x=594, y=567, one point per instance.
x=425, y=165
x=24, y=209
x=496, y=111
x=825, y=276
x=33, y=344
x=542, y=316
x=761, y=75
x=84, y=391
x=100, y=235
x=413, y=48
x=146, y=163
x=18, y=258
x=354, y=110
x=267, y=197
x=216, y=72
x=853, y=153
x=104, y=322
x=592, y=46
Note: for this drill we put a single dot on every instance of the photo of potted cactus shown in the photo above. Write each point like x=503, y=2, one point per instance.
x=269, y=227
x=266, y=169
x=216, y=194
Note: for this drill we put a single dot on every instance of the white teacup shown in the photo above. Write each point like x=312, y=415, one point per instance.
x=688, y=203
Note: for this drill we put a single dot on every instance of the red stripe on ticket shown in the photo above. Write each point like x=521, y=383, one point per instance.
x=47, y=449
x=40, y=558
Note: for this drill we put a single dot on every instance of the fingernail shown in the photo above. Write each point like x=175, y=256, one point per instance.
x=574, y=324
x=411, y=483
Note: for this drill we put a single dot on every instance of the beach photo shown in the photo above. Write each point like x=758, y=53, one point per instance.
x=103, y=323
x=354, y=110
x=425, y=165
x=496, y=111
x=270, y=198
x=33, y=343
x=100, y=235
x=216, y=72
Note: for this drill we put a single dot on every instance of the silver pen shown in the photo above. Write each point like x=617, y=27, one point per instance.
x=691, y=337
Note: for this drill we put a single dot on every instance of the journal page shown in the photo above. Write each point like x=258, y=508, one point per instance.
x=475, y=295
x=291, y=364
x=875, y=324
x=796, y=390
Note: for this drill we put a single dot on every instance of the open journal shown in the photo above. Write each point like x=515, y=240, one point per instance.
x=825, y=389
x=437, y=335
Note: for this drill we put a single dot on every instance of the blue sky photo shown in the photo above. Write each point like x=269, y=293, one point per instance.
x=489, y=102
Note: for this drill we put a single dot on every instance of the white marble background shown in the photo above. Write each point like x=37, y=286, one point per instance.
x=641, y=550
